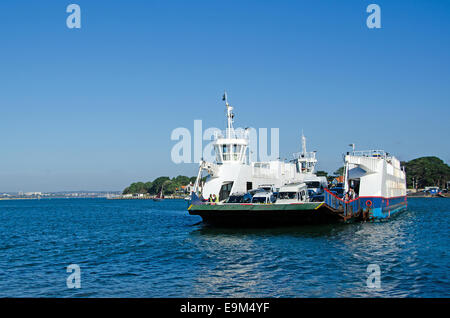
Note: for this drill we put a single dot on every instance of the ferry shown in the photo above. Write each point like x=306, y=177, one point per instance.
x=289, y=193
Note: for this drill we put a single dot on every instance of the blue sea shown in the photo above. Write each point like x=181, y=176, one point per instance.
x=141, y=248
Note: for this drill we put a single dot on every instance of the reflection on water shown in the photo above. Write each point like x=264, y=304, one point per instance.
x=318, y=260
x=140, y=248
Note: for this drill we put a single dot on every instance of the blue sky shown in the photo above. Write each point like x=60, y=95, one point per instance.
x=94, y=108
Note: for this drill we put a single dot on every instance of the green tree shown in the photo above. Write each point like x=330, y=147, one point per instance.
x=157, y=184
x=321, y=173
x=181, y=180
x=148, y=186
x=137, y=187
x=427, y=171
x=339, y=172
x=192, y=179
x=170, y=185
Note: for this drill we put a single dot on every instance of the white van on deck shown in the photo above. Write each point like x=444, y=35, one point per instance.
x=293, y=193
x=263, y=197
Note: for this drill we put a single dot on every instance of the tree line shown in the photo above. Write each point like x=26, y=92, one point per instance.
x=330, y=177
x=154, y=187
x=426, y=171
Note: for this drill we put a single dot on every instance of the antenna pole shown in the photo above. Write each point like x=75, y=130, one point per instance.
x=303, y=143
x=229, y=115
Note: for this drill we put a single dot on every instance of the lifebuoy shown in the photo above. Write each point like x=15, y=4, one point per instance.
x=369, y=203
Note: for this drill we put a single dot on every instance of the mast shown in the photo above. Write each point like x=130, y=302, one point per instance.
x=303, y=144
x=230, y=115
x=160, y=195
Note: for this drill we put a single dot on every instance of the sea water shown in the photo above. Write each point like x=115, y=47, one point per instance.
x=141, y=248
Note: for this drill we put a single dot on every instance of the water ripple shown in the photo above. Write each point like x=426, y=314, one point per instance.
x=142, y=248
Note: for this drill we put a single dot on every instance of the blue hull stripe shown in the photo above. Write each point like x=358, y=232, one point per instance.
x=383, y=208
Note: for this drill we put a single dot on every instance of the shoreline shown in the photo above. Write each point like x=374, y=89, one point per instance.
x=147, y=198
x=135, y=198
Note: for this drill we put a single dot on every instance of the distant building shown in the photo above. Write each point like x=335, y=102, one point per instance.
x=31, y=194
x=187, y=189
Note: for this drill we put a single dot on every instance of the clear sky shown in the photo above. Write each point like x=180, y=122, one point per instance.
x=93, y=108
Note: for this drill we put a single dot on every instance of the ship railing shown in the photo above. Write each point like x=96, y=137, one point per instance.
x=352, y=207
x=369, y=153
x=333, y=201
x=348, y=208
x=231, y=134
x=301, y=155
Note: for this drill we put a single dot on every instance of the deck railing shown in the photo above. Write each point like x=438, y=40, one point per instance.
x=369, y=153
x=347, y=207
x=237, y=133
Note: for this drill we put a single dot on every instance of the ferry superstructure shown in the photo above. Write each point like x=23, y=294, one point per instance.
x=374, y=186
x=375, y=189
x=232, y=171
x=378, y=181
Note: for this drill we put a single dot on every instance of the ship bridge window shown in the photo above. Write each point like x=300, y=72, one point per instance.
x=230, y=152
x=237, y=152
x=218, y=152
x=226, y=152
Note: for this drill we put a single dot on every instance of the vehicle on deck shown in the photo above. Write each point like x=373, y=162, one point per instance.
x=338, y=191
x=293, y=193
x=266, y=187
x=264, y=197
x=239, y=198
x=317, y=186
x=317, y=198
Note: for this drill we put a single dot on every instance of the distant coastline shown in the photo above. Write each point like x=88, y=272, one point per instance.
x=58, y=195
